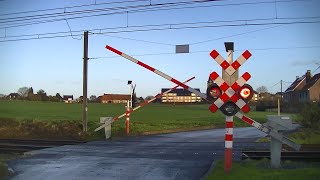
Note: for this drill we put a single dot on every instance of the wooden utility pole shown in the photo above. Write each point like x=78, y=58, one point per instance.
x=85, y=82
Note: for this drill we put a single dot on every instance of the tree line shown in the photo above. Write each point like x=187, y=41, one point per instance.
x=26, y=93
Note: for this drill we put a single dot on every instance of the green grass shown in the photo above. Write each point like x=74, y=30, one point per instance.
x=151, y=118
x=260, y=170
x=302, y=136
x=3, y=168
x=306, y=136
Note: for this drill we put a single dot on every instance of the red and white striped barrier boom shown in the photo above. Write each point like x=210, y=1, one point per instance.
x=274, y=134
x=204, y=96
x=141, y=105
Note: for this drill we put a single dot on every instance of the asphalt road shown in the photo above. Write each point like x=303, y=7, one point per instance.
x=185, y=155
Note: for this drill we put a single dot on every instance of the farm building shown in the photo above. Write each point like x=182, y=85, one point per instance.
x=13, y=96
x=68, y=98
x=114, y=98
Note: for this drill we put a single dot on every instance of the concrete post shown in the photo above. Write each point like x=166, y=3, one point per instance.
x=107, y=129
x=275, y=150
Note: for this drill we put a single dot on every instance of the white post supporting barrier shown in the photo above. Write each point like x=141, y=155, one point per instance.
x=128, y=118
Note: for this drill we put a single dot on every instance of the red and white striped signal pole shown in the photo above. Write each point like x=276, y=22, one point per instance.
x=229, y=119
x=128, y=118
x=128, y=109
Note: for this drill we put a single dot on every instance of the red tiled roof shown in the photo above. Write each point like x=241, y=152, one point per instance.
x=110, y=97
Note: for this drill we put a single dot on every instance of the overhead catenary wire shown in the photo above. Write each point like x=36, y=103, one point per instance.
x=125, y=10
x=70, y=7
x=172, y=25
x=139, y=40
x=233, y=35
x=161, y=27
x=71, y=32
x=199, y=42
x=208, y=51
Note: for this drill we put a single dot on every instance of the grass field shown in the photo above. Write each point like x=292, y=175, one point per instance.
x=151, y=118
x=24, y=118
x=260, y=170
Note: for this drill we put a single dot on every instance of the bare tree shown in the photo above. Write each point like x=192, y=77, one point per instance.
x=41, y=91
x=23, y=91
x=262, y=89
x=148, y=98
x=93, y=98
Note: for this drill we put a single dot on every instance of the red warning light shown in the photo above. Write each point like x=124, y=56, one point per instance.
x=246, y=92
x=213, y=92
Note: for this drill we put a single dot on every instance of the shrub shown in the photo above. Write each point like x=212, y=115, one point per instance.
x=309, y=116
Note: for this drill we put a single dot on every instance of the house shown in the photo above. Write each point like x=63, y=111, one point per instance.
x=13, y=96
x=180, y=96
x=68, y=98
x=255, y=96
x=304, y=89
x=114, y=98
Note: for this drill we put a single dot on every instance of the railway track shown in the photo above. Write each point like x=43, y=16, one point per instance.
x=287, y=155
x=24, y=145
x=309, y=152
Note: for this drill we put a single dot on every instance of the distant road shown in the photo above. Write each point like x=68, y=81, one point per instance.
x=184, y=155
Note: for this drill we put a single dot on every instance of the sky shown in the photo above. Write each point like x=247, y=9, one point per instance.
x=282, y=35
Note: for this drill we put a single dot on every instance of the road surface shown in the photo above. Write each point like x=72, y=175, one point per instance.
x=184, y=155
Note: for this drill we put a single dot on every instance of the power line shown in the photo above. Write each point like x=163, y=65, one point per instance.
x=139, y=40
x=40, y=36
x=274, y=85
x=70, y=7
x=208, y=51
x=125, y=10
x=239, y=34
x=141, y=8
x=156, y=25
x=71, y=32
x=161, y=27
x=196, y=26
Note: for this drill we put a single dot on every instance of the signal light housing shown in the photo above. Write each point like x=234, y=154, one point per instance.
x=229, y=108
x=213, y=92
x=245, y=92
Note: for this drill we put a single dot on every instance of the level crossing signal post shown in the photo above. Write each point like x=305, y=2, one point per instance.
x=130, y=106
x=229, y=94
x=230, y=98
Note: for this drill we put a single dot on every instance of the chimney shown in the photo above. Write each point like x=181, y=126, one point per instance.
x=308, y=76
x=297, y=77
